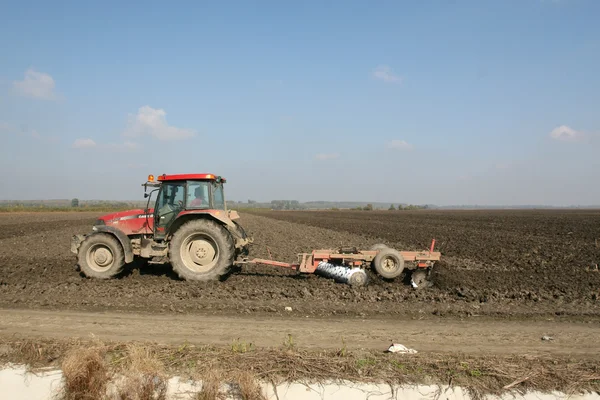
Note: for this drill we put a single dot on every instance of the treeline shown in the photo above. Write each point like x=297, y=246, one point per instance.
x=369, y=207
x=70, y=204
x=322, y=205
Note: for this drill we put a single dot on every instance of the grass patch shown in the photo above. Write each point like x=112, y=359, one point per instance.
x=219, y=367
x=143, y=375
x=85, y=373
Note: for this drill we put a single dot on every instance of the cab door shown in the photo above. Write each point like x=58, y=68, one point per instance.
x=169, y=204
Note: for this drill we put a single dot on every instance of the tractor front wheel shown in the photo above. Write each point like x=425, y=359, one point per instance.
x=101, y=256
x=201, y=250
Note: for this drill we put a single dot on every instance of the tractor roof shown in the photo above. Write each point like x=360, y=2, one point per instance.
x=186, y=177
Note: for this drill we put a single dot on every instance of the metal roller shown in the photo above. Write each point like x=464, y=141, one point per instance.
x=352, y=276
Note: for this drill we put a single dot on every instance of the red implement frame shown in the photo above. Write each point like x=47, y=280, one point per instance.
x=308, y=262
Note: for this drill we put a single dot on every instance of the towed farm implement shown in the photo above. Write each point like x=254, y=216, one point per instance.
x=191, y=228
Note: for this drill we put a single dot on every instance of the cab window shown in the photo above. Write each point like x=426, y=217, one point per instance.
x=218, y=197
x=198, y=195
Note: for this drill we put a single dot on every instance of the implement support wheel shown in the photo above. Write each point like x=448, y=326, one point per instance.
x=388, y=263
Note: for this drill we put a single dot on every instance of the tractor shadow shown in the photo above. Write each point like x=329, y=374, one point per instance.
x=143, y=268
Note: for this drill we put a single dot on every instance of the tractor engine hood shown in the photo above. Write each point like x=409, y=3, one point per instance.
x=123, y=215
x=130, y=222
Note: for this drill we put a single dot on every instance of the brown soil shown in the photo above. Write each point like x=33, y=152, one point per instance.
x=498, y=264
x=529, y=257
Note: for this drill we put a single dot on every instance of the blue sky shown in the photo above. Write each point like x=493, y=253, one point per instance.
x=445, y=102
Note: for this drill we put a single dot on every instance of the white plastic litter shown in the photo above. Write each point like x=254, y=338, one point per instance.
x=400, y=348
x=288, y=309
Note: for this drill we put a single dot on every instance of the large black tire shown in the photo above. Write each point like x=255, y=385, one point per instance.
x=101, y=256
x=388, y=263
x=201, y=250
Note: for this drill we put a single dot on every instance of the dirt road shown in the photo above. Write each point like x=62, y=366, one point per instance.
x=471, y=337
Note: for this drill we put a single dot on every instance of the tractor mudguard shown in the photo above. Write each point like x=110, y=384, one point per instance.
x=123, y=239
x=219, y=215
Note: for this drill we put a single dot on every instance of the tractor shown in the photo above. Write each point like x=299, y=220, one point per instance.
x=189, y=227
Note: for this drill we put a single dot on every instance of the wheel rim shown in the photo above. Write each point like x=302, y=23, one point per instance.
x=389, y=264
x=199, y=253
x=100, y=257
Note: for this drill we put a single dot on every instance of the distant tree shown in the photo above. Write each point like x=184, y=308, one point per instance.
x=75, y=203
x=368, y=207
x=392, y=207
x=277, y=204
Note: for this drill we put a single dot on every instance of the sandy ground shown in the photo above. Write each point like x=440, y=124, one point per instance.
x=477, y=337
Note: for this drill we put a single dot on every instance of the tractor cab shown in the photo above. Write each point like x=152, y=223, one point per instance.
x=185, y=194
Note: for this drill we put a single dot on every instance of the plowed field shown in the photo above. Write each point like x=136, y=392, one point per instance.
x=499, y=264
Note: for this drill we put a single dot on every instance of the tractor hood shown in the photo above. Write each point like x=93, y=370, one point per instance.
x=124, y=215
x=130, y=222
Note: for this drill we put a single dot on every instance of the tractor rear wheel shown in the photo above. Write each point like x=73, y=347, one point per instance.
x=101, y=256
x=388, y=263
x=201, y=250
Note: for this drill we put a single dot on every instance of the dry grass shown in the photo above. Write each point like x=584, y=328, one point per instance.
x=246, y=387
x=85, y=374
x=143, y=375
x=478, y=374
x=211, y=386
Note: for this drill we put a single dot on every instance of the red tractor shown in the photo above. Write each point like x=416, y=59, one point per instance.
x=189, y=227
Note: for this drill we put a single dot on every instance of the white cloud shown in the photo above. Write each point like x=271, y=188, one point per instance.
x=566, y=133
x=385, y=73
x=152, y=122
x=327, y=156
x=38, y=85
x=83, y=144
x=400, y=145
